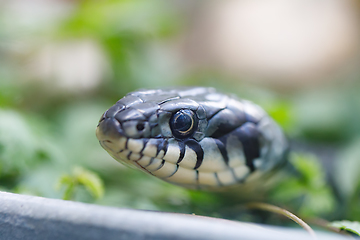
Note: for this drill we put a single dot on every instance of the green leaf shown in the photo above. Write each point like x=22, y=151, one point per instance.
x=282, y=112
x=17, y=141
x=24, y=142
x=346, y=176
x=68, y=181
x=353, y=227
x=81, y=177
x=306, y=190
x=90, y=181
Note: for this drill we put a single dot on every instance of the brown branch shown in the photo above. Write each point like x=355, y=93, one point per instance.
x=286, y=213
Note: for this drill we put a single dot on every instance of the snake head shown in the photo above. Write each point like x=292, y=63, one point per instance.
x=193, y=137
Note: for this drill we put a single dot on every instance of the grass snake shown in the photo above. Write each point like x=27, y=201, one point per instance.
x=194, y=137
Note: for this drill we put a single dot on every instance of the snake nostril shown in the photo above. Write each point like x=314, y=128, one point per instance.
x=140, y=126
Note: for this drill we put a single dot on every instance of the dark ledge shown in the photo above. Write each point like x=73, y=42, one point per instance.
x=27, y=217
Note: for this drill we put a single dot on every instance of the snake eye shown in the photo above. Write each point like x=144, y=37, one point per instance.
x=183, y=123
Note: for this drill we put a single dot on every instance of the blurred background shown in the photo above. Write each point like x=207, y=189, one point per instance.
x=64, y=62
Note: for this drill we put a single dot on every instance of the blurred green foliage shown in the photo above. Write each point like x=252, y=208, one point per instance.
x=307, y=189
x=47, y=134
x=125, y=30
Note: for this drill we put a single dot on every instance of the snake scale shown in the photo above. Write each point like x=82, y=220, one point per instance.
x=194, y=137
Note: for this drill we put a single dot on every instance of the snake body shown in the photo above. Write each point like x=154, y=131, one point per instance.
x=193, y=137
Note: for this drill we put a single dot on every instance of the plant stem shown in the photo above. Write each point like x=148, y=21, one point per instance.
x=286, y=213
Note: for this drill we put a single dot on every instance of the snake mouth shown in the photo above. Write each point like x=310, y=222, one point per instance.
x=167, y=159
x=144, y=155
x=141, y=153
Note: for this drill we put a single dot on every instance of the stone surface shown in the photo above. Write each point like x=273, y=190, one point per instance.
x=27, y=217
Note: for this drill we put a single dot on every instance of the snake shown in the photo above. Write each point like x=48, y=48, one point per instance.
x=194, y=137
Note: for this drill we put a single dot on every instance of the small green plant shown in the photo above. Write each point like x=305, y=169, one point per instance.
x=81, y=177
